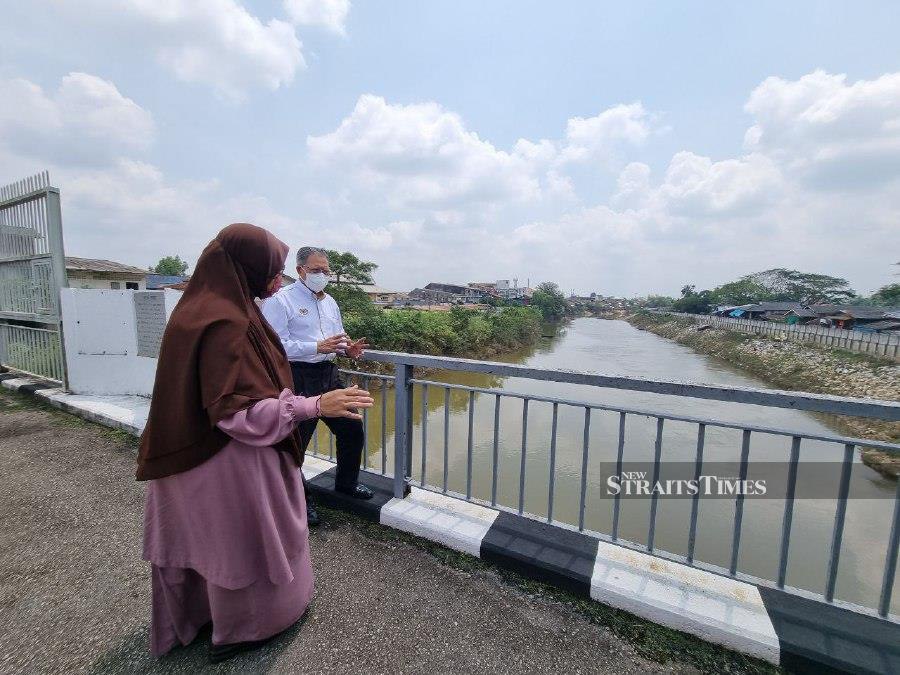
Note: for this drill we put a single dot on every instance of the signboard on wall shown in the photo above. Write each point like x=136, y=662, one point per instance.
x=149, y=322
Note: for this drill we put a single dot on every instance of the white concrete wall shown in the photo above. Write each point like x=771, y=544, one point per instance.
x=101, y=342
x=95, y=282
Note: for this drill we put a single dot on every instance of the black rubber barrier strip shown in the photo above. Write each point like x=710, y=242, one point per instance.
x=540, y=551
x=815, y=637
x=33, y=388
x=322, y=489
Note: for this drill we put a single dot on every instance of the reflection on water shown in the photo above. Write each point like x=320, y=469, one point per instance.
x=615, y=347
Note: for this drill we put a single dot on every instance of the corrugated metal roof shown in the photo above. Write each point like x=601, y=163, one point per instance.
x=98, y=265
x=803, y=312
x=855, y=311
x=777, y=306
x=157, y=281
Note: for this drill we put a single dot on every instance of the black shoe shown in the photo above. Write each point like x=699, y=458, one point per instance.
x=312, y=516
x=358, y=491
x=219, y=653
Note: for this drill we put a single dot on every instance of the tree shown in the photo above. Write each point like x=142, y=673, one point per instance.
x=171, y=265
x=693, y=303
x=549, y=300
x=657, y=301
x=887, y=296
x=741, y=292
x=347, y=268
x=803, y=287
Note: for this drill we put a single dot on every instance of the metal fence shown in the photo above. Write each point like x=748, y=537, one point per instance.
x=877, y=344
x=32, y=270
x=400, y=454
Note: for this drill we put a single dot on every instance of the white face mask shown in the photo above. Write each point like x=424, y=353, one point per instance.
x=316, y=282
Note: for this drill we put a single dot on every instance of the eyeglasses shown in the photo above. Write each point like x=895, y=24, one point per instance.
x=318, y=270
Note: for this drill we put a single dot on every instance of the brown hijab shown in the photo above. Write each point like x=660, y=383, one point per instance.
x=218, y=354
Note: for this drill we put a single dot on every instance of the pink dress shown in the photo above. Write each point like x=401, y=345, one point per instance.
x=228, y=540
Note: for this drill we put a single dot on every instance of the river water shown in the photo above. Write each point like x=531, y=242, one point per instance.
x=617, y=348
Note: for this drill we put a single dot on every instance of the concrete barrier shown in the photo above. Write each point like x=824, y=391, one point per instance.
x=101, y=338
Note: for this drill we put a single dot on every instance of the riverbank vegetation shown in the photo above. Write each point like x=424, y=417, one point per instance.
x=799, y=367
x=775, y=285
x=456, y=332
x=459, y=331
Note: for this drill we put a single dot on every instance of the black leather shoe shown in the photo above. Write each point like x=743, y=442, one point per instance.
x=358, y=491
x=312, y=516
x=219, y=653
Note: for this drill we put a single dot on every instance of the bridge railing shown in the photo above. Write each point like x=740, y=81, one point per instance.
x=398, y=459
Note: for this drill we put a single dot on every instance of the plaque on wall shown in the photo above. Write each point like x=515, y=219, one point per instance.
x=150, y=322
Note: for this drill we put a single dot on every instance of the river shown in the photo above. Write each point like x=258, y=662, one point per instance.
x=617, y=348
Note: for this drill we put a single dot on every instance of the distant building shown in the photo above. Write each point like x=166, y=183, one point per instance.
x=488, y=288
x=104, y=274
x=512, y=291
x=848, y=316
x=432, y=295
x=286, y=280
x=157, y=281
x=379, y=295
x=463, y=293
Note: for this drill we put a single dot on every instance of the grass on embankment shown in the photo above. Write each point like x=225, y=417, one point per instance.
x=796, y=366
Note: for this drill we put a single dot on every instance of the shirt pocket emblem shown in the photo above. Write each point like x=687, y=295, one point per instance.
x=303, y=311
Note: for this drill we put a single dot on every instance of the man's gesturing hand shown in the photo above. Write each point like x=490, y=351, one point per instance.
x=345, y=402
x=332, y=344
x=356, y=348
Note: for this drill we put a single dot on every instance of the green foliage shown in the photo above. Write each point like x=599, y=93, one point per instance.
x=549, y=301
x=351, y=299
x=657, y=301
x=768, y=286
x=458, y=331
x=693, y=302
x=171, y=265
x=741, y=292
x=780, y=284
x=887, y=296
x=346, y=267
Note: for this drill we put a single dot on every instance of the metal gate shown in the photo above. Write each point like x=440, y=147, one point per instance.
x=32, y=271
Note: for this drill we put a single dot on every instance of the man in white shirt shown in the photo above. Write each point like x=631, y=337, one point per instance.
x=308, y=322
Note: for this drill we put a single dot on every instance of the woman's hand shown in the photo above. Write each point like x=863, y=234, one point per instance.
x=345, y=402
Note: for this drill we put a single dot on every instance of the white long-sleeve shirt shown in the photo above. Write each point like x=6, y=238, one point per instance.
x=301, y=320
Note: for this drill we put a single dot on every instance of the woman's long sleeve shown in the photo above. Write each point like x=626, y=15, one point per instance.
x=268, y=421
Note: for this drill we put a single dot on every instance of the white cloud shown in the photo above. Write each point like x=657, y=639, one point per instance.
x=328, y=14
x=422, y=155
x=832, y=134
x=214, y=42
x=87, y=133
x=86, y=120
x=697, y=186
x=601, y=135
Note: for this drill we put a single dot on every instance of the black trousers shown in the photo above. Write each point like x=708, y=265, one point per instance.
x=312, y=379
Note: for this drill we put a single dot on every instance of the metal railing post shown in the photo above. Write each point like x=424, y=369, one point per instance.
x=403, y=401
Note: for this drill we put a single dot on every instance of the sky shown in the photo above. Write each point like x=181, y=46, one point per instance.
x=611, y=147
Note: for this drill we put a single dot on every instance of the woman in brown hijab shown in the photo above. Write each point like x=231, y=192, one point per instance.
x=225, y=519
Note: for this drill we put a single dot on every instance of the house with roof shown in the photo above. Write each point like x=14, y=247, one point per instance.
x=463, y=293
x=104, y=274
x=848, y=316
x=380, y=295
